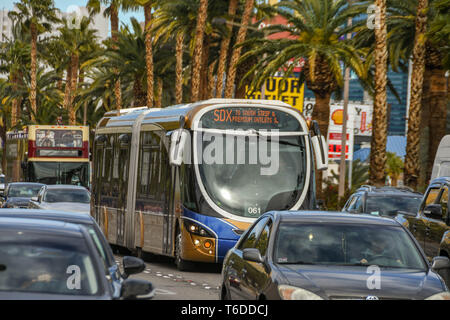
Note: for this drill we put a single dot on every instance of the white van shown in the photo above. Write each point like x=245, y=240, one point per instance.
x=441, y=166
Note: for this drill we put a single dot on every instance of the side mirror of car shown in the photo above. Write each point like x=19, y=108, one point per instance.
x=433, y=211
x=252, y=254
x=137, y=289
x=132, y=265
x=440, y=263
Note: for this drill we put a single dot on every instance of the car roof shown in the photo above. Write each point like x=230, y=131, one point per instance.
x=49, y=227
x=331, y=217
x=441, y=180
x=26, y=183
x=70, y=217
x=65, y=186
x=400, y=191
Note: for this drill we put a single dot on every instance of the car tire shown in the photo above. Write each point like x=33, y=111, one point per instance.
x=182, y=265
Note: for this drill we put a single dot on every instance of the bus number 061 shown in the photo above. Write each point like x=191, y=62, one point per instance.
x=254, y=210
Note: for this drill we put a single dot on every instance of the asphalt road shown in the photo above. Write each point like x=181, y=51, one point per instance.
x=200, y=284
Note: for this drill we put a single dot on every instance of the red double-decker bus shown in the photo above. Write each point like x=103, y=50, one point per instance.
x=49, y=154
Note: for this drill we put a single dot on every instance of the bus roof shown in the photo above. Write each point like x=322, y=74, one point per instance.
x=169, y=117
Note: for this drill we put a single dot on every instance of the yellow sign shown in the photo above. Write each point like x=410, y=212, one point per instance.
x=287, y=90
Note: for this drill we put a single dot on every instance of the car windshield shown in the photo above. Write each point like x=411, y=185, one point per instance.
x=46, y=264
x=346, y=244
x=67, y=195
x=23, y=190
x=247, y=189
x=390, y=205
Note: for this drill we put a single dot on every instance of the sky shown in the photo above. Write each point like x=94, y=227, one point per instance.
x=63, y=5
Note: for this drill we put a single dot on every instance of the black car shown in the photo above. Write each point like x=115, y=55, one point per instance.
x=46, y=259
x=18, y=194
x=329, y=255
x=383, y=201
x=131, y=265
x=431, y=224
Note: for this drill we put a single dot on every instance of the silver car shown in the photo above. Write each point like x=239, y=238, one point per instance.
x=62, y=197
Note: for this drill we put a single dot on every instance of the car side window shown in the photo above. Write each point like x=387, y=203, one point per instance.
x=359, y=204
x=263, y=240
x=349, y=201
x=431, y=196
x=253, y=235
x=352, y=205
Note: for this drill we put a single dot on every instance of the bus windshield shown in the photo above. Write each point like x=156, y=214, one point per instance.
x=75, y=173
x=249, y=191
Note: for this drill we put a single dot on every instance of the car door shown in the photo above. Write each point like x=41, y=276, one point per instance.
x=436, y=225
x=237, y=267
x=258, y=274
x=419, y=224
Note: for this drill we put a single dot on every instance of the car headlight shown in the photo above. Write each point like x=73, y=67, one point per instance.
x=197, y=229
x=445, y=295
x=295, y=293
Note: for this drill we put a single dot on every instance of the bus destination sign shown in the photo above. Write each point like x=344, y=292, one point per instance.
x=250, y=118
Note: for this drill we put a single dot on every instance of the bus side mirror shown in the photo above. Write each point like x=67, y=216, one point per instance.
x=320, y=152
x=179, y=146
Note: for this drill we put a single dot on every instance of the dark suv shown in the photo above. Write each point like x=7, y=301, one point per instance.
x=383, y=201
x=431, y=225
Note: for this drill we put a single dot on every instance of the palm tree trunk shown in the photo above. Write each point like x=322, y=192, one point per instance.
x=321, y=114
x=224, y=49
x=139, y=96
x=73, y=87
x=434, y=98
x=66, y=101
x=231, y=76
x=179, y=69
x=378, y=157
x=15, y=102
x=114, y=18
x=33, y=29
x=159, y=89
x=205, y=69
x=198, y=50
x=149, y=54
x=210, y=91
x=411, y=173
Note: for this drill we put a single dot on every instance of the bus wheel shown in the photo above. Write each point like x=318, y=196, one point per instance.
x=182, y=265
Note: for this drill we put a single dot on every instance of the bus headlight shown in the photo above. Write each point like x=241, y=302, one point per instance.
x=197, y=229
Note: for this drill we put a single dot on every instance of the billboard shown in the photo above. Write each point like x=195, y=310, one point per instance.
x=288, y=90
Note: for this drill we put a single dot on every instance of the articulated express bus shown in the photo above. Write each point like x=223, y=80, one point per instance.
x=48, y=154
x=185, y=181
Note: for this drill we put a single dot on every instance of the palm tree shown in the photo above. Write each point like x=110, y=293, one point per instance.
x=231, y=75
x=73, y=40
x=224, y=48
x=198, y=49
x=174, y=17
x=148, y=51
x=418, y=60
x=314, y=29
x=38, y=17
x=380, y=110
x=15, y=60
x=112, y=11
x=394, y=167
